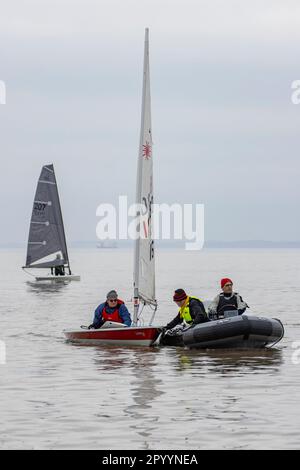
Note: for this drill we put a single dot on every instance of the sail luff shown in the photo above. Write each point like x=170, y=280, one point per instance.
x=144, y=281
x=139, y=165
x=62, y=225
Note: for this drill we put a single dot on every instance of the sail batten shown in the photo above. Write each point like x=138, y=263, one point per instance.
x=46, y=233
x=144, y=265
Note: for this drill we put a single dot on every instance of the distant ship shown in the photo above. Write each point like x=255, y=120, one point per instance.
x=107, y=244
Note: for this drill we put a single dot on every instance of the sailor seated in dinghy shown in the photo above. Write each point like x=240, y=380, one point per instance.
x=113, y=310
x=191, y=312
x=226, y=301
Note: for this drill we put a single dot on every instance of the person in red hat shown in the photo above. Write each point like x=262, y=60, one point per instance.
x=226, y=301
x=191, y=310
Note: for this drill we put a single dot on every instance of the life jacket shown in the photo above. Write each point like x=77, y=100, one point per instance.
x=115, y=315
x=185, y=313
x=227, y=303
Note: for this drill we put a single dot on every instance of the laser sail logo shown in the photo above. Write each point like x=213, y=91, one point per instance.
x=147, y=151
x=2, y=92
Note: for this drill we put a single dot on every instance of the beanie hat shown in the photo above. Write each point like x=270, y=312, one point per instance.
x=112, y=295
x=224, y=281
x=179, y=295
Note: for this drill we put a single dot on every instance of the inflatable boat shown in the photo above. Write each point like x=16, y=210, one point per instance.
x=240, y=332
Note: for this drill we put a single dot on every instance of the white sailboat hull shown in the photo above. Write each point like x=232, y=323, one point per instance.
x=52, y=278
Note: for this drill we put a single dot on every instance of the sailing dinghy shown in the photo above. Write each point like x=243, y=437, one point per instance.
x=47, y=246
x=144, y=267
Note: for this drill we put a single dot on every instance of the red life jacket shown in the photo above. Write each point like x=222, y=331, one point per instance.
x=114, y=316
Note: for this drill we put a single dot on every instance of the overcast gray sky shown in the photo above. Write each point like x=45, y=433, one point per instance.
x=225, y=131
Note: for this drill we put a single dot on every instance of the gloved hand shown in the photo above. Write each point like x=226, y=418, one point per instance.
x=91, y=326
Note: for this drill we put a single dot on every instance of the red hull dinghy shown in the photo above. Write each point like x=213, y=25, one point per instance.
x=144, y=264
x=123, y=336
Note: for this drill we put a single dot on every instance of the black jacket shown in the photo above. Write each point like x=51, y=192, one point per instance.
x=197, y=312
x=224, y=302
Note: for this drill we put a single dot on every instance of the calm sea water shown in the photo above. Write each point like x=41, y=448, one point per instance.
x=57, y=395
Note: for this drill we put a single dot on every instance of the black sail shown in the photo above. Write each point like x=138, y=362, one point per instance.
x=46, y=234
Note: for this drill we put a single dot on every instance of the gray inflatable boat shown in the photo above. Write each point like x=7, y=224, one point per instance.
x=236, y=332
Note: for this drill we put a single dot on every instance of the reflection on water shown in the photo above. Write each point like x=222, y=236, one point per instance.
x=229, y=361
x=144, y=391
x=180, y=384
x=144, y=384
x=108, y=358
x=46, y=287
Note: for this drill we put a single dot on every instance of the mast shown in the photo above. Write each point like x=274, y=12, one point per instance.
x=62, y=224
x=139, y=183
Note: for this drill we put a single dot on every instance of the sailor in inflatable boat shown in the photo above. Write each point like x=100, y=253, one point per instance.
x=191, y=312
x=226, y=301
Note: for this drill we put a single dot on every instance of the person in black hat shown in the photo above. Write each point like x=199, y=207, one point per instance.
x=114, y=309
x=191, y=310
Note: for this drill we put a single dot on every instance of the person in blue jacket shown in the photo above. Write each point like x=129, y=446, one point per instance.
x=113, y=309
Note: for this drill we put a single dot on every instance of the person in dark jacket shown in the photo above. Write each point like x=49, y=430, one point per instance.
x=59, y=270
x=113, y=310
x=191, y=310
x=226, y=300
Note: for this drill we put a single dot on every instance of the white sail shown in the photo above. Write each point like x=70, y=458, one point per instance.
x=144, y=266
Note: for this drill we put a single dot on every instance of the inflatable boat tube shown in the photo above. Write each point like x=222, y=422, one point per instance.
x=236, y=332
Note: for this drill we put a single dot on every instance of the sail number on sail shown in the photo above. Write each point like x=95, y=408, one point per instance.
x=146, y=212
x=39, y=206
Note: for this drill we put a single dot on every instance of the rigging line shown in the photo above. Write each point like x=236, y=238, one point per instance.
x=139, y=315
x=30, y=274
x=153, y=315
